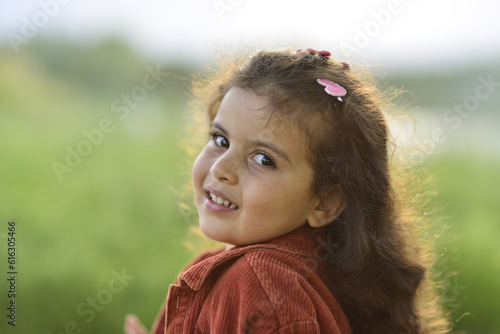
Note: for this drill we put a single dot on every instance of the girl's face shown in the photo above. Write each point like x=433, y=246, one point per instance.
x=252, y=181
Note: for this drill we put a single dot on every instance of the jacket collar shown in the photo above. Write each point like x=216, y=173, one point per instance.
x=301, y=241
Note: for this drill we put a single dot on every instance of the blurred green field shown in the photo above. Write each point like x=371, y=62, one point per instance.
x=118, y=210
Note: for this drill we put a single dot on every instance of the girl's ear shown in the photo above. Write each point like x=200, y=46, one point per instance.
x=327, y=208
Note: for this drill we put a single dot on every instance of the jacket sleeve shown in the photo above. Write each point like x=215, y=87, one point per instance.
x=245, y=301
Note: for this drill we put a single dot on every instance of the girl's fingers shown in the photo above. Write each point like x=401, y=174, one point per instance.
x=133, y=325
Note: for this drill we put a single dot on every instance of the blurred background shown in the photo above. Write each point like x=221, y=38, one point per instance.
x=94, y=102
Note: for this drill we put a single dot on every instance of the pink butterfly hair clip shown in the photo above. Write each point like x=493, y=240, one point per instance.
x=333, y=88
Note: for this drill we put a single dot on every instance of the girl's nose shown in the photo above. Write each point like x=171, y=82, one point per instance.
x=225, y=170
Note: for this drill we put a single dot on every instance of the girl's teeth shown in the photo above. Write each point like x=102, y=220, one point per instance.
x=221, y=201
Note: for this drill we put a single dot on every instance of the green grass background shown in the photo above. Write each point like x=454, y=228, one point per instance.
x=120, y=207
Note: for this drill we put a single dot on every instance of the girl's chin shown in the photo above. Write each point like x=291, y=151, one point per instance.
x=211, y=231
x=218, y=234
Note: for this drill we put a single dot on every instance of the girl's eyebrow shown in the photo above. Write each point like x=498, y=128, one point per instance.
x=267, y=145
x=218, y=126
x=273, y=148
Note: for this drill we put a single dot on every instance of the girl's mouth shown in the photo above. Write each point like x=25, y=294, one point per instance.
x=220, y=201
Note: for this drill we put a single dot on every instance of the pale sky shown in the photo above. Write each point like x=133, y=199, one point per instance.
x=411, y=33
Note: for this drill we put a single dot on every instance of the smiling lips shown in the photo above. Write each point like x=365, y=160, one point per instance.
x=220, y=200
x=215, y=198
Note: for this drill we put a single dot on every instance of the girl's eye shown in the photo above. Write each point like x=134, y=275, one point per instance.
x=220, y=141
x=264, y=160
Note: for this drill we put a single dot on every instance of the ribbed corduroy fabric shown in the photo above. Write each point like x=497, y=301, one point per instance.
x=273, y=287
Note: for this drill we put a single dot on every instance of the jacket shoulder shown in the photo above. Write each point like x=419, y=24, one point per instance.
x=265, y=266
x=271, y=283
x=271, y=291
x=237, y=302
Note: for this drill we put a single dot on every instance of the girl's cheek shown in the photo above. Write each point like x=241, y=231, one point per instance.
x=259, y=193
x=200, y=167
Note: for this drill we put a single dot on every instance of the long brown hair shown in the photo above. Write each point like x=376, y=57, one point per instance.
x=375, y=261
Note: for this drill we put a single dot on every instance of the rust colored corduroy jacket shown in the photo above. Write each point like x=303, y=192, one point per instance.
x=272, y=287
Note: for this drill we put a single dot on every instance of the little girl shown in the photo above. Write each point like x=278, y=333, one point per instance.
x=295, y=180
